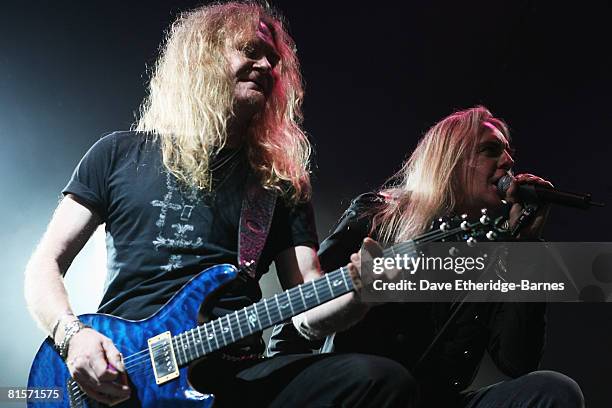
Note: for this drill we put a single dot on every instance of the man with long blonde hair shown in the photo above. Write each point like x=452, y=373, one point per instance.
x=222, y=115
x=453, y=170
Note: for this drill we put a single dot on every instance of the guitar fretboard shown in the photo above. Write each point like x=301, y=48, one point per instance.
x=230, y=328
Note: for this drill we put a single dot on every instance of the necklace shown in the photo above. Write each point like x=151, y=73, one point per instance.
x=219, y=162
x=222, y=169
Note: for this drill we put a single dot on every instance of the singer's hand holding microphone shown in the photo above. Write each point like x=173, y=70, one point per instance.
x=512, y=189
x=525, y=189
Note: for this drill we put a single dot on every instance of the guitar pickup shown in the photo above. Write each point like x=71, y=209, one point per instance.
x=163, y=359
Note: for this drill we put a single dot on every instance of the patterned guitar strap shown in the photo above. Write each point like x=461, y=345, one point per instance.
x=255, y=220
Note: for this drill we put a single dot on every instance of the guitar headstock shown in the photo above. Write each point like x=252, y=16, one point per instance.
x=462, y=229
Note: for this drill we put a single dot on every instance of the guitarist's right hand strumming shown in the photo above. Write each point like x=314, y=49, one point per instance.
x=96, y=365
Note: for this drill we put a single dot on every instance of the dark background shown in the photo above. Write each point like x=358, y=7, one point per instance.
x=377, y=76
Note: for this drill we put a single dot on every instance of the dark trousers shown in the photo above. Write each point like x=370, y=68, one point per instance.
x=324, y=380
x=539, y=389
x=360, y=380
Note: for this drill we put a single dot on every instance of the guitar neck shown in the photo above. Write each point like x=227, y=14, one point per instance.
x=232, y=327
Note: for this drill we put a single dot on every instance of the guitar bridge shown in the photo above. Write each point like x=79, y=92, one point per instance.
x=163, y=359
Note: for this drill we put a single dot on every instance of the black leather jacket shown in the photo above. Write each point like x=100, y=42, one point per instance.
x=513, y=333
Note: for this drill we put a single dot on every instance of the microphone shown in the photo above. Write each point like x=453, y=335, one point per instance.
x=536, y=193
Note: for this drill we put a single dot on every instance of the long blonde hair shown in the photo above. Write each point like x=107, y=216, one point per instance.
x=191, y=94
x=429, y=183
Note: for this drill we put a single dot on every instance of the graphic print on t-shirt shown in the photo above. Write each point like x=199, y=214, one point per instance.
x=184, y=236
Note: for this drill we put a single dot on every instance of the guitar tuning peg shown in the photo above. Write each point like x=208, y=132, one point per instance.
x=471, y=242
x=491, y=235
x=484, y=211
x=499, y=223
x=464, y=216
x=485, y=219
x=454, y=251
x=444, y=226
x=464, y=226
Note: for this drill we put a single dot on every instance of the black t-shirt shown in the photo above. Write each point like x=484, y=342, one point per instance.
x=160, y=233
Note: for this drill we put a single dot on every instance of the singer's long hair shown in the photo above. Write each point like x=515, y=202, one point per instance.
x=191, y=91
x=429, y=183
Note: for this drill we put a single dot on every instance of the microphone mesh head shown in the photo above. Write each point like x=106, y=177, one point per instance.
x=503, y=184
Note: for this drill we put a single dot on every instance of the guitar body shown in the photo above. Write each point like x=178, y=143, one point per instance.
x=130, y=337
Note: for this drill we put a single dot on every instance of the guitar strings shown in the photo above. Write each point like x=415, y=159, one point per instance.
x=235, y=324
x=190, y=343
x=187, y=338
x=187, y=343
x=138, y=358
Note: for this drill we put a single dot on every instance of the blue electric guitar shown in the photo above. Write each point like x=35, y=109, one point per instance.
x=158, y=350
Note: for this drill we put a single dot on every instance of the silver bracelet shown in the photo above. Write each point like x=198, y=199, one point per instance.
x=57, y=323
x=70, y=330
